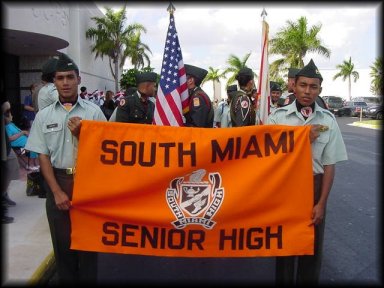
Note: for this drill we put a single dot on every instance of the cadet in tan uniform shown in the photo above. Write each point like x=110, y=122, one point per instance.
x=54, y=135
x=328, y=148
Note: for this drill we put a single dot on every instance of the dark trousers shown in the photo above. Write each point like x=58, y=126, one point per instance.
x=72, y=266
x=303, y=270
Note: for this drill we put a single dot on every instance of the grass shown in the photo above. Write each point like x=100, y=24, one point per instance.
x=376, y=124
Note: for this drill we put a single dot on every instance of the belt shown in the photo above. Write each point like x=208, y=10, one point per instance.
x=67, y=171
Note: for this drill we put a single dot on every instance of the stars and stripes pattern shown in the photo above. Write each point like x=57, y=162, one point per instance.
x=172, y=94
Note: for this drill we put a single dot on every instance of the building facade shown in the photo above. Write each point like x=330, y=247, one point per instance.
x=34, y=32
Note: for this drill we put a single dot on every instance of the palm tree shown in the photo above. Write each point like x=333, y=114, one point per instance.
x=293, y=43
x=213, y=75
x=377, y=77
x=136, y=50
x=346, y=71
x=112, y=37
x=235, y=64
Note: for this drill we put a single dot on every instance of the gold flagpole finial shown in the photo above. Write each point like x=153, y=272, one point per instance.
x=171, y=8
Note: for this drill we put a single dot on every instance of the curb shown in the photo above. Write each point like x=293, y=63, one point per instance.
x=44, y=272
x=364, y=125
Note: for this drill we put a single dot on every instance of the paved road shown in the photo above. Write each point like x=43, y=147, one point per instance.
x=352, y=245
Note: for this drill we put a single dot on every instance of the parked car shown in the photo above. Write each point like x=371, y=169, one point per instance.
x=334, y=104
x=352, y=108
x=375, y=112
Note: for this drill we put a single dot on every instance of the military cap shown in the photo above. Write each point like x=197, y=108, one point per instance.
x=146, y=77
x=310, y=71
x=65, y=63
x=245, y=72
x=292, y=72
x=197, y=72
x=49, y=67
x=274, y=86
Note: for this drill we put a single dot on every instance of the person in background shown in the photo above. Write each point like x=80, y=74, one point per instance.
x=109, y=105
x=54, y=136
x=9, y=166
x=200, y=111
x=29, y=110
x=48, y=93
x=17, y=137
x=83, y=92
x=275, y=96
x=243, y=111
x=328, y=148
x=136, y=107
x=222, y=117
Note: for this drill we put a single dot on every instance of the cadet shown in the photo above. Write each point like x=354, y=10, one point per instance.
x=136, y=107
x=291, y=84
x=275, y=96
x=243, y=112
x=54, y=135
x=200, y=111
x=327, y=149
x=222, y=115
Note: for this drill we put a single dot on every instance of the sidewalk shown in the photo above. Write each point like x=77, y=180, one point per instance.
x=27, y=241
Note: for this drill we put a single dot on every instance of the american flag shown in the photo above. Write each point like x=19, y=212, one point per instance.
x=172, y=94
x=263, y=93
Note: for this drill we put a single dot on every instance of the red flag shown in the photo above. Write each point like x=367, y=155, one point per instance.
x=263, y=92
x=172, y=94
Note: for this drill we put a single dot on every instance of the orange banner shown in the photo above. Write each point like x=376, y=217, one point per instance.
x=193, y=192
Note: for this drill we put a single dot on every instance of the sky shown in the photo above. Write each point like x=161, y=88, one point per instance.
x=209, y=33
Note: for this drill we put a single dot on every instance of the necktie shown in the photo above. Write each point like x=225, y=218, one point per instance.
x=306, y=111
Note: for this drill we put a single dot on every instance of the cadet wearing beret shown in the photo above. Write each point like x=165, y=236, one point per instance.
x=54, y=135
x=328, y=148
x=47, y=94
x=222, y=116
x=275, y=96
x=291, y=83
x=136, y=107
x=200, y=110
x=243, y=111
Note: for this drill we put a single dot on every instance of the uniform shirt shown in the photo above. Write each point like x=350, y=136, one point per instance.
x=242, y=110
x=132, y=109
x=201, y=111
x=47, y=95
x=50, y=135
x=222, y=115
x=329, y=147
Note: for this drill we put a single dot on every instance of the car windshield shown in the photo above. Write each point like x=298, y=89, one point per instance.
x=360, y=104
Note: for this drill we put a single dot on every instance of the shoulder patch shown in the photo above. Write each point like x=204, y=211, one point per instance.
x=244, y=104
x=122, y=102
x=196, y=102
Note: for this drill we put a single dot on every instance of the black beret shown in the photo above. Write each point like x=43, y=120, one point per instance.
x=274, y=86
x=83, y=89
x=292, y=72
x=65, y=63
x=310, y=71
x=146, y=77
x=231, y=88
x=197, y=72
x=245, y=72
x=49, y=67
